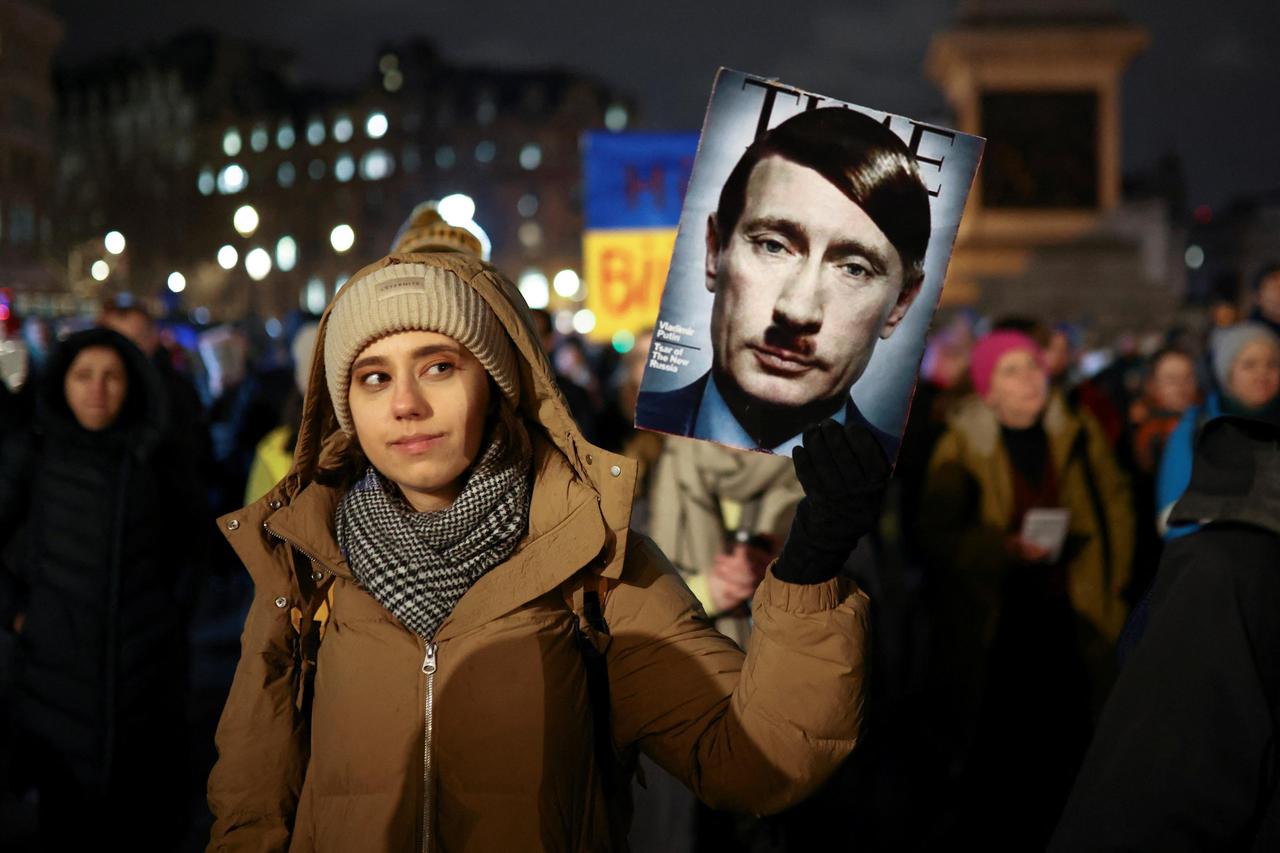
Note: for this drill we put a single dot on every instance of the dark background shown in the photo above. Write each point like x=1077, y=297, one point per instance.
x=1206, y=85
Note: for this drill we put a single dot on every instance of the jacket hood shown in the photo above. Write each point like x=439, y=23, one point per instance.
x=1235, y=475
x=144, y=416
x=322, y=445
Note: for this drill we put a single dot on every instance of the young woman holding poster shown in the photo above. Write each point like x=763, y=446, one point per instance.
x=456, y=643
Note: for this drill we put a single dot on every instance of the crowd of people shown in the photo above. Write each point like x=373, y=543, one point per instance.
x=994, y=649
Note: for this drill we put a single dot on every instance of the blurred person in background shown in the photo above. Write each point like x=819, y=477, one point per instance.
x=1024, y=641
x=103, y=522
x=1170, y=388
x=1246, y=365
x=1266, y=297
x=1186, y=752
x=274, y=454
x=581, y=403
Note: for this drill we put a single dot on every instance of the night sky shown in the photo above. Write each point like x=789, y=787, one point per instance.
x=1206, y=88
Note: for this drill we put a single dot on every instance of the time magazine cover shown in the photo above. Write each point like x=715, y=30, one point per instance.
x=810, y=257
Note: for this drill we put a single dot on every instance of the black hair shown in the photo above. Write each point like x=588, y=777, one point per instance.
x=860, y=157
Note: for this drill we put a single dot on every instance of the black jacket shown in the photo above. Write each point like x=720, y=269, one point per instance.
x=101, y=536
x=1187, y=753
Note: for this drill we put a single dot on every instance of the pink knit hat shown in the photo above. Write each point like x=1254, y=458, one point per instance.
x=988, y=352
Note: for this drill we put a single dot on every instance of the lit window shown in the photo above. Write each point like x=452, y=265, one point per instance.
x=392, y=81
x=485, y=151
x=257, y=263
x=315, y=169
x=273, y=327
x=232, y=179
x=228, y=257
x=245, y=220
x=345, y=168
x=376, y=165
x=376, y=125
x=259, y=139
x=531, y=156
x=315, y=296
x=615, y=118
x=231, y=142
x=530, y=235
x=342, y=238
x=342, y=129
x=205, y=182
x=388, y=62
x=533, y=287
x=285, y=136
x=446, y=156
x=286, y=174
x=527, y=205
x=286, y=253
x=315, y=131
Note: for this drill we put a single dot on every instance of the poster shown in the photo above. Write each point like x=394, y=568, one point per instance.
x=634, y=189
x=810, y=256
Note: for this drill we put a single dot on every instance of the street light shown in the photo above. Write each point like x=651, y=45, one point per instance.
x=114, y=242
x=177, y=282
x=566, y=283
x=342, y=238
x=457, y=209
x=245, y=220
x=100, y=270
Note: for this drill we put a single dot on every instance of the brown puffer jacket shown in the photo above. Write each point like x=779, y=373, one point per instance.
x=494, y=751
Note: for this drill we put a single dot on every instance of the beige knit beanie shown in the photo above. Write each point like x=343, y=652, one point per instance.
x=412, y=297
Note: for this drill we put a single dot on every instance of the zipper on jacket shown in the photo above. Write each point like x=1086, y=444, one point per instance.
x=428, y=790
x=312, y=557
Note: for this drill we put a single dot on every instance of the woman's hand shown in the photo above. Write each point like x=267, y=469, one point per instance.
x=844, y=474
x=735, y=575
x=1025, y=551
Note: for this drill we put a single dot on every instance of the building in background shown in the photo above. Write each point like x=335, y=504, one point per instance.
x=1049, y=231
x=29, y=34
x=229, y=190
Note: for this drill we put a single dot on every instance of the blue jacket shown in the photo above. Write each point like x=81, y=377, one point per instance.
x=1175, y=464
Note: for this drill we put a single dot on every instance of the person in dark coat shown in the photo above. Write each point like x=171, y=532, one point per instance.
x=1187, y=754
x=101, y=525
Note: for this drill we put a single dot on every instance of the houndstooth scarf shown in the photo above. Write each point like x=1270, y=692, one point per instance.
x=419, y=564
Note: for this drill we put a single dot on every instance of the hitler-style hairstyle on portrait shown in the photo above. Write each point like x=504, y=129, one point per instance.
x=860, y=157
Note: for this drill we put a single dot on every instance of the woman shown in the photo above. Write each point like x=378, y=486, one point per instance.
x=1024, y=638
x=1169, y=390
x=494, y=646
x=105, y=519
x=1246, y=366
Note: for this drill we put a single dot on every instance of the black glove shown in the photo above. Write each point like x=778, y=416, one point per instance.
x=844, y=475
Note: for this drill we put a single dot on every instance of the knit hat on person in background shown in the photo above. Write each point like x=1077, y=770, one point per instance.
x=409, y=297
x=1227, y=343
x=426, y=231
x=990, y=349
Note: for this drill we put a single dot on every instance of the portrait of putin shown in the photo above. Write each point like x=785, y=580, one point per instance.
x=815, y=252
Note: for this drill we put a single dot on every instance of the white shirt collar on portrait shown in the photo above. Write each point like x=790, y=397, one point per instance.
x=717, y=423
